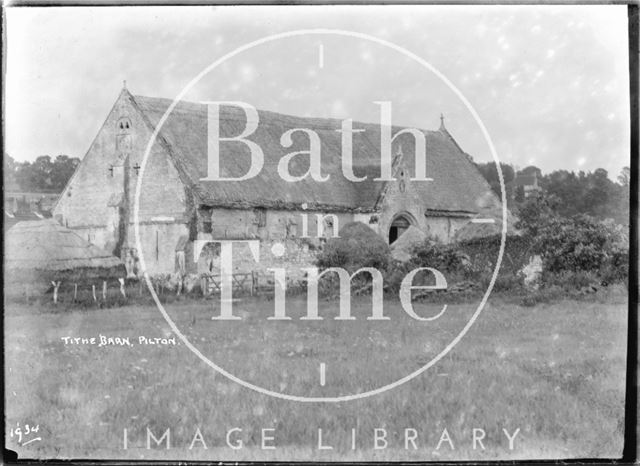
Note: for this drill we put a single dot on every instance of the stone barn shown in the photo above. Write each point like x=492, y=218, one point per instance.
x=178, y=207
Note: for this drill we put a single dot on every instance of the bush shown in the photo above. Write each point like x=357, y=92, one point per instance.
x=357, y=246
x=474, y=260
x=483, y=253
x=616, y=267
x=575, y=249
x=573, y=244
x=512, y=282
x=576, y=253
x=443, y=257
x=570, y=280
x=583, y=245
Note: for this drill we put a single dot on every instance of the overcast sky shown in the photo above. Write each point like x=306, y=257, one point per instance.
x=549, y=82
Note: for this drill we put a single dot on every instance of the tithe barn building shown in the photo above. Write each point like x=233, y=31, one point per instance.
x=177, y=207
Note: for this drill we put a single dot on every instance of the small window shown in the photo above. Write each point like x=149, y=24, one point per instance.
x=124, y=124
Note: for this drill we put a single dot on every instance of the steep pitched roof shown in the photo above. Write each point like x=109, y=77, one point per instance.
x=457, y=185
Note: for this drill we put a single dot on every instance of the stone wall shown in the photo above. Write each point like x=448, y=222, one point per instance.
x=291, y=254
x=268, y=224
x=443, y=229
x=277, y=230
x=159, y=241
x=99, y=200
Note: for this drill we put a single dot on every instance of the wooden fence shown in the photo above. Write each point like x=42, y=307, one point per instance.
x=121, y=290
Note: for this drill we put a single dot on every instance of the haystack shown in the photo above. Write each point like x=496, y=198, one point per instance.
x=37, y=252
x=402, y=248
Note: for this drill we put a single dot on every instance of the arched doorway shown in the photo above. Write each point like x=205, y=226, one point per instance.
x=399, y=225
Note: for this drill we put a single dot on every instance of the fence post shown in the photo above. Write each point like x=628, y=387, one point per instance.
x=93, y=291
x=104, y=290
x=121, y=280
x=75, y=292
x=56, y=285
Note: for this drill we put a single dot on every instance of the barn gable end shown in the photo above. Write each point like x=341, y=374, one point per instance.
x=98, y=201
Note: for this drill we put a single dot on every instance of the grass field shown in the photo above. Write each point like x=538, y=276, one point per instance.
x=554, y=371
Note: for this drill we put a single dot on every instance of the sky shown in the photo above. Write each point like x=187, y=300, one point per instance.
x=549, y=83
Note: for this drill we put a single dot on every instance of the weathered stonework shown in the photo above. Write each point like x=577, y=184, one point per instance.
x=99, y=204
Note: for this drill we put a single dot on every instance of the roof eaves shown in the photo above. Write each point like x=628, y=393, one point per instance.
x=449, y=213
x=283, y=205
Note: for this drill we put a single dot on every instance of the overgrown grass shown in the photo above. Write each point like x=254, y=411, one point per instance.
x=556, y=371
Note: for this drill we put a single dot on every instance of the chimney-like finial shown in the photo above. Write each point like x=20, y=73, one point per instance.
x=442, y=121
x=124, y=84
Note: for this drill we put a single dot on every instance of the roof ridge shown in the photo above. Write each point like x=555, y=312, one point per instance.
x=283, y=116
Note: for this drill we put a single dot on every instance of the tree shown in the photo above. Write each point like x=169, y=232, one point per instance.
x=489, y=171
x=591, y=193
x=530, y=171
x=9, y=164
x=9, y=169
x=536, y=211
x=568, y=188
x=619, y=204
x=43, y=174
x=599, y=192
x=624, y=177
x=62, y=170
